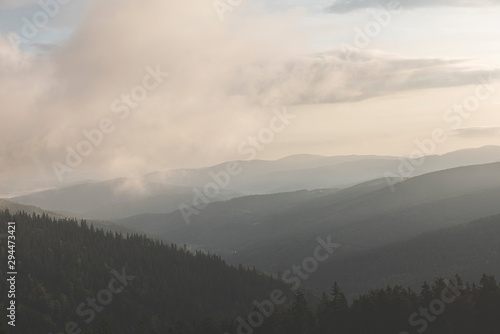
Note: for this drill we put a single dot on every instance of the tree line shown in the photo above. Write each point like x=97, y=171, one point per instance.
x=134, y=284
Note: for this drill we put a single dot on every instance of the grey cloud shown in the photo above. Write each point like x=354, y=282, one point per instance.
x=329, y=78
x=344, y=6
x=486, y=131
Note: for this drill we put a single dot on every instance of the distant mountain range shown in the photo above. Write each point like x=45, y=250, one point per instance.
x=347, y=198
x=163, y=192
x=114, y=199
x=273, y=232
x=315, y=172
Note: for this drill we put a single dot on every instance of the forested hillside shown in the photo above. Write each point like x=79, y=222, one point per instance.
x=443, y=307
x=73, y=278
x=61, y=265
x=469, y=249
x=100, y=224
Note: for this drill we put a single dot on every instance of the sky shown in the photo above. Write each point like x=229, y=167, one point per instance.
x=103, y=89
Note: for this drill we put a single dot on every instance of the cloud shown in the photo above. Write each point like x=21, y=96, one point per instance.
x=189, y=120
x=483, y=131
x=225, y=78
x=344, y=6
x=330, y=78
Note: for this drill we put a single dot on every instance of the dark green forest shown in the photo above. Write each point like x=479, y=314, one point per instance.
x=60, y=264
x=443, y=307
x=67, y=272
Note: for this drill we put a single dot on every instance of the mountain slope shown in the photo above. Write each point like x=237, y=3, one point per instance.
x=140, y=285
x=31, y=209
x=465, y=249
x=114, y=199
x=361, y=217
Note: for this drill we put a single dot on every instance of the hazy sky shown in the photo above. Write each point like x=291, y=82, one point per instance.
x=69, y=72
